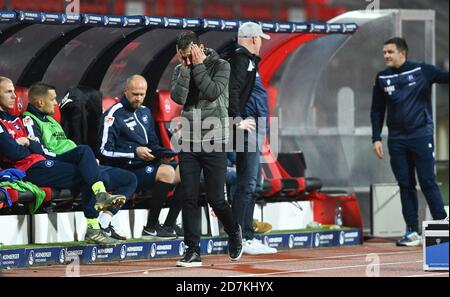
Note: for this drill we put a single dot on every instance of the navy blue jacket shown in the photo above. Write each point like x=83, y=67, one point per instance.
x=122, y=130
x=406, y=94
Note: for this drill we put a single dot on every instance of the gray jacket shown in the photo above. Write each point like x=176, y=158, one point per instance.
x=203, y=92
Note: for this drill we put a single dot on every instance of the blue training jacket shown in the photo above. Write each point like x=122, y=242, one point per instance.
x=122, y=130
x=406, y=94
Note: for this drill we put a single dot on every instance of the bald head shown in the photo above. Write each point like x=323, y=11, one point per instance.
x=7, y=93
x=135, y=90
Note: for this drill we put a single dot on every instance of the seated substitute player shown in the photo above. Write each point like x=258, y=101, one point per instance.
x=44, y=129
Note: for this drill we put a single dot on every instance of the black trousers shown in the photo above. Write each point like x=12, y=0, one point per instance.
x=214, y=166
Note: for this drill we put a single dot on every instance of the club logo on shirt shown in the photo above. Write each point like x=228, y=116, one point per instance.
x=388, y=82
x=17, y=127
x=149, y=169
x=410, y=77
x=49, y=163
x=145, y=119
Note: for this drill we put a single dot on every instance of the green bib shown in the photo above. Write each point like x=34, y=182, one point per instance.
x=53, y=137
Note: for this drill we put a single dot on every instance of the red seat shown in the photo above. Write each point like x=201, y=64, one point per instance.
x=164, y=111
x=107, y=102
x=21, y=103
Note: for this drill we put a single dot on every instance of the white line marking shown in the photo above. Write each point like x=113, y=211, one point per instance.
x=323, y=269
x=242, y=263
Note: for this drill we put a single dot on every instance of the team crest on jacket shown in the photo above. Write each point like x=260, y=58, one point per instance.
x=145, y=119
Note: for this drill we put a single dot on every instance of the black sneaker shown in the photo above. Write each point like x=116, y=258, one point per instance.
x=111, y=232
x=158, y=232
x=235, y=245
x=190, y=259
x=175, y=230
x=410, y=239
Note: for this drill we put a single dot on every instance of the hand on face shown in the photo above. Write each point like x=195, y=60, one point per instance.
x=183, y=57
x=198, y=56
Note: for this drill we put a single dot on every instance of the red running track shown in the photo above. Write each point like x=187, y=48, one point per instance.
x=370, y=259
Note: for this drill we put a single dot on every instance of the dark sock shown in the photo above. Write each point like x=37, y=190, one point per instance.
x=156, y=203
x=175, y=209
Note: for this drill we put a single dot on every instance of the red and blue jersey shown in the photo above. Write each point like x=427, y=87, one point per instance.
x=11, y=153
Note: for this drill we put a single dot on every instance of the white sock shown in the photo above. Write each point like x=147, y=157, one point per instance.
x=104, y=219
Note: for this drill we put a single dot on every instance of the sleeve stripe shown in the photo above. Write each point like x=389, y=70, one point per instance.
x=105, y=137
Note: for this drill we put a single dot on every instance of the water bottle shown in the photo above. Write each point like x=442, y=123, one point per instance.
x=339, y=220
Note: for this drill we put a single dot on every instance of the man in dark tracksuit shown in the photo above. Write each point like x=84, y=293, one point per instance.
x=128, y=141
x=200, y=84
x=404, y=88
x=20, y=152
x=50, y=134
x=248, y=100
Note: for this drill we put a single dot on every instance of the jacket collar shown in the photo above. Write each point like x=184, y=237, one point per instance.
x=244, y=51
x=126, y=104
x=40, y=115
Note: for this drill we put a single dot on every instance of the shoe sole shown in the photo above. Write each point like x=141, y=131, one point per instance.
x=116, y=203
x=194, y=264
x=149, y=237
x=100, y=243
x=412, y=244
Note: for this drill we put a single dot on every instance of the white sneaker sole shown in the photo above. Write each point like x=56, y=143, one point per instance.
x=193, y=264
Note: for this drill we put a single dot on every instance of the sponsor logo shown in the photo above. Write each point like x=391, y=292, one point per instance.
x=210, y=246
x=94, y=254
x=410, y=77
x=291, y=241
x=31, y=258
x=109, y=120
x=153, y=250
x=62, y=256
x=181, y=248
x=19, y=104
x=342, y=238
x=49, y=163
x=317, y=240
x=27, y=121
x=123, y=252
x=167, y=106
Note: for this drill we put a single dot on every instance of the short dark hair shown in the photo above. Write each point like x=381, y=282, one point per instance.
x=400, y=43
x=185, y=39
x=39, y=89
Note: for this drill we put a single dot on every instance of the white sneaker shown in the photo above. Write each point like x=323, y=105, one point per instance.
x=249, y=248
x=263, y=247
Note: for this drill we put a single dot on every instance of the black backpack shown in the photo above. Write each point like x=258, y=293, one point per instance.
x=81, y=109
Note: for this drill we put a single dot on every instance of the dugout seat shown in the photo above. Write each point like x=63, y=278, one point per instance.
x=55, y=199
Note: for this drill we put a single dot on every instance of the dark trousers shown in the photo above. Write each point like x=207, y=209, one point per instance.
x=247, y=169
x=62, y=175
x=214, y=166
x=407, y=157
x=84, y=159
